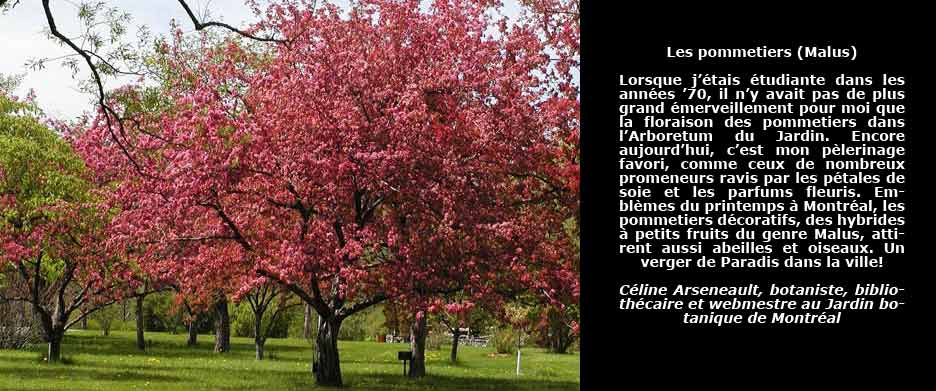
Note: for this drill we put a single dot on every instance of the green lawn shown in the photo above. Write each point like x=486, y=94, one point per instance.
x=98, y=363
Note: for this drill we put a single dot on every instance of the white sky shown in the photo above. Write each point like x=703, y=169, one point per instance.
x=22, y=39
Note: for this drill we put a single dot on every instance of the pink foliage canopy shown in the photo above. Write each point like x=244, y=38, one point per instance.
x=391, y=151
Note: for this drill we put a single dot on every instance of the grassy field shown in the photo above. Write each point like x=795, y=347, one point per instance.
x=97, y=363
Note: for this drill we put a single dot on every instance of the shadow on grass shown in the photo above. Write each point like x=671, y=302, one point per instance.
x=93, y=344
x=70, y=372
x=115, y=359
x=297, y=380
x=384, y=382
x=374, y=382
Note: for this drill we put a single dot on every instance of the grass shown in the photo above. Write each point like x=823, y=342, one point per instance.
x=96, y=363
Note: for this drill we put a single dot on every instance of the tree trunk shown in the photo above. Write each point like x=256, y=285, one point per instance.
x=192, y=333
x=307, y=322
x=560, y=343
x=53, y=332
x=140, y=324
x=258, y=344
x=259, y=338
x=222, y=327
x=327, y=367
x=55, y=347
x=84, y=321
x=418, y=333
x=456, y=334
x=560, y=335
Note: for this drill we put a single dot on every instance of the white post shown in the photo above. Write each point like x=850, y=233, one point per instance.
x=518, y=362
x=518, y=353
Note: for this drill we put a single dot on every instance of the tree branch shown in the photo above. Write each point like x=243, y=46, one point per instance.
x=238, y=237
x=199, y=25
x=285, y=305
x=361, y=305
x=88, y=57
x=316, y=302
x=99, y=84
x=87, y=313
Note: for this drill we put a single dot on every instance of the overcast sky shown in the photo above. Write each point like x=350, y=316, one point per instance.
x=22, y=39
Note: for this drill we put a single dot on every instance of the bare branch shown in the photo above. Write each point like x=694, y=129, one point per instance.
x=98, y=82
x=3, y=3
x=88, y=313
x=315, y=301
x=199, y=25
x=361, y=305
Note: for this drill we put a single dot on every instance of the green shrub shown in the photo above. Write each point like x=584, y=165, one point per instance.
x=363, y=326
x=505, y=340
x=297, y=317
x=162, y=314
x=106, y=319
x=242, y=321
x=435, y=339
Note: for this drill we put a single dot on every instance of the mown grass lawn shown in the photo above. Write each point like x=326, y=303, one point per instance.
x=97, y=363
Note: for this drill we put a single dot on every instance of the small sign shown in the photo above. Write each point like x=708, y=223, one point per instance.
x=404, y=356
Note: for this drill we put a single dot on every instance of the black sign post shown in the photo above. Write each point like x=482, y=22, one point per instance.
x=404, y=356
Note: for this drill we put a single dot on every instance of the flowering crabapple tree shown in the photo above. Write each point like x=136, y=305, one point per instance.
x=365, y=160
x=536, y=211
x=535, y=248
x=51, y=224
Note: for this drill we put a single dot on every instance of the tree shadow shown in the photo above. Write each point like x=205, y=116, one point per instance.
x=376, y=382
x=366, y=377
x=85, y=373
x=94, y=344
x=272, y=347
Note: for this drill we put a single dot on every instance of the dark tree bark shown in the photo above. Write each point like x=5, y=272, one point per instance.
x=560, y=335
x=456, y=334
x=140, y=324
x=222, y=326
x=561, y=341
x=192, y=333
x=55, y=348
x=455, y=329
x=327, y=365
x=307, y=322
x=418, y=333
x=194, y=320
x=53, y=327
x=259, y=336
